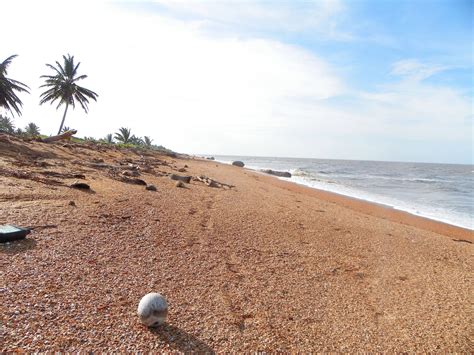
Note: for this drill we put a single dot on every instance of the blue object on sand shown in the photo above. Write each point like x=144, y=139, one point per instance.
x=9, y=233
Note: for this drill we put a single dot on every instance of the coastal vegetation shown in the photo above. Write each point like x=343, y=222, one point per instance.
x=32, y=129
x=124, y=135
x=9, y=99
x=6, y=124
x=62, y=87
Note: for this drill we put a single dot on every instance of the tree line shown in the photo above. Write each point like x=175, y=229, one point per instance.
x=61, y=87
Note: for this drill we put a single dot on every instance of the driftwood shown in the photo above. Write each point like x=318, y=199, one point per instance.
x=63, y=136
x=212, y=183
x=185, y=179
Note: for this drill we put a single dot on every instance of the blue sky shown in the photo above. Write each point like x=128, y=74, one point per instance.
x=377, y=80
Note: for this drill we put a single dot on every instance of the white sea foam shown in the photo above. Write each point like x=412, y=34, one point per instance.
x=339, y=181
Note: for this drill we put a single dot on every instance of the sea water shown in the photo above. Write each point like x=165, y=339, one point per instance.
x=444, y=192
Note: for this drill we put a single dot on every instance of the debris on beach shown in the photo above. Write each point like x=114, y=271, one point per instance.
x=132, y=173
x=153, y=309
x=212, y=183
x=276, y=173
x=238, y=163
x=151, y=187
x=186, y=179
x=63, y=136
x=80, y=186
x=10, y=233
x=179, y=184
x=134, y=181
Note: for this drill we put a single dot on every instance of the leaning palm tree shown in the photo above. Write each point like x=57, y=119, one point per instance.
x=62, y=86
x=32, y=129
x=123, y=135
x=8, y=98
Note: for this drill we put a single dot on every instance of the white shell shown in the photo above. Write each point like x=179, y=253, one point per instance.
x=153, y=309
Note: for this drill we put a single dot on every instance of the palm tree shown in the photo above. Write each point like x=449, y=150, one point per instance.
x=6, y=125
x=62, y=86
x=123, y=135
x=109, y=139
x=147, y=140
x=8, y=98
x=32, y=129
x=136, y=140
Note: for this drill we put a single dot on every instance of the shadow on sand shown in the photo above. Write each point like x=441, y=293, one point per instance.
x=180, y=340
x=17, y=246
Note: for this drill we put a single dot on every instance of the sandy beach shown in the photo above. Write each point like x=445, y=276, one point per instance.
x=265, y=265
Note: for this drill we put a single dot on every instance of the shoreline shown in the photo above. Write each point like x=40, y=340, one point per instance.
x=377, y=209
x=380, y=210
x=257, y=264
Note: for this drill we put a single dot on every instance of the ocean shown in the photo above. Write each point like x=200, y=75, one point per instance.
x=443, y=192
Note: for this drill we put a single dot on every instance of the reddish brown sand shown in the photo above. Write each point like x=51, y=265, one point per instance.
x=264, y=266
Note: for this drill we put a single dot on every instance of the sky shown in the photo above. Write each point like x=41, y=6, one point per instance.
x=332, y=79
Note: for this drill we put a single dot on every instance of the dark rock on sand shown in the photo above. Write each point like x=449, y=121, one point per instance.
x=80, y=186
x=277, y=173
x=134, y=181
x=238, y=163
x=185, y=179
x=179, y=184
x=151, y=188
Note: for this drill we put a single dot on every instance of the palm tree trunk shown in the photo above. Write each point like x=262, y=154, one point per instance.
x=64, y=117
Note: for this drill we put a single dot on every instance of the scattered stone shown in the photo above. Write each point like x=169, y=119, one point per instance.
x=146, y=169
x=186, y=166
x=210, y=158
x=80, y=186
x=238, y=163
x=179, y=184
x=151, y=187
x=132, y=173
x=277, y=173
x=72, y=203
x=182, y=170
x=137, y=182
x=185, y=179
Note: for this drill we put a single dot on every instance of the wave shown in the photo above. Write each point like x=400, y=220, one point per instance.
x=427, y=196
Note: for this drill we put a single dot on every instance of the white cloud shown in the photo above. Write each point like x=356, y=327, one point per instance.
x=160, y=75
x=415, y=70
x=319, y=17
x=201, y=93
